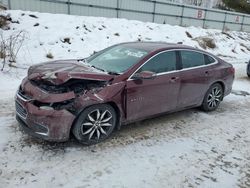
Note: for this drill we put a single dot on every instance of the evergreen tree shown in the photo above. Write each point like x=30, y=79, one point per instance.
x=239, y=5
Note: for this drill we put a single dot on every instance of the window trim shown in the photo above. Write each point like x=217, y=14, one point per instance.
x=179, y=61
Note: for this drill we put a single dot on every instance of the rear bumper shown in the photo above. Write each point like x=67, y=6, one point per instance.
x=228, y=90
x=228, y=84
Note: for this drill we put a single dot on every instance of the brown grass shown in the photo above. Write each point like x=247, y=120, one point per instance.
x=205, y=42
x=228, y=35
x=66, y=40
x=4, y=22
x=33, y=16
x=233, y=50
x=189, y=35
x=49, y=55
x=2, y=54
x=210, y=43
x=243, y=45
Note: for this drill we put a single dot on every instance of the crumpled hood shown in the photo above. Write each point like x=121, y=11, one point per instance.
x=58, y=72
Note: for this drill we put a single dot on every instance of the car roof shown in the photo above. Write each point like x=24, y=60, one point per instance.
x=154, y=46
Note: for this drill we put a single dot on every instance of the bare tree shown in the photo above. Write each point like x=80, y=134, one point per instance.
x=10, y=46
x=3, y=50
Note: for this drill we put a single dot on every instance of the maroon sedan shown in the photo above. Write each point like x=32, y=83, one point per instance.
x=118, y=85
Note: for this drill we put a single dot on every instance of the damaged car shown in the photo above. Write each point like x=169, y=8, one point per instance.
x=124, y=83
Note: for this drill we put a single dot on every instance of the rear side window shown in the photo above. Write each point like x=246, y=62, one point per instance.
x=192, y=59
x=163, y=62
x=209, y=59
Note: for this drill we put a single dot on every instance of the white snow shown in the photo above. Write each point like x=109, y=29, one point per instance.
x=184, y=149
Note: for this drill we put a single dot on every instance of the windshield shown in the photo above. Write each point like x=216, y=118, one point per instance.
x=117, y=59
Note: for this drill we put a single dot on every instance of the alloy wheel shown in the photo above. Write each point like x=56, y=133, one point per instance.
x=97, y=124
x=214, y=97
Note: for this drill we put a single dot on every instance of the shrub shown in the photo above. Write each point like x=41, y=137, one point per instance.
x=10, y=46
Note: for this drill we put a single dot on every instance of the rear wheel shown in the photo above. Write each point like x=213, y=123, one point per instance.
x=95, y=124
x=213, y=98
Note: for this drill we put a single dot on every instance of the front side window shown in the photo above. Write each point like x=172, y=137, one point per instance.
x=192, y=59
x=117, y=59
x=164, y=62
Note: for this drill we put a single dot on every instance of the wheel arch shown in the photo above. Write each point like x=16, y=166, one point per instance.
x=111, y=103
x=204, y=104
x=118, y=113
x=221, y=83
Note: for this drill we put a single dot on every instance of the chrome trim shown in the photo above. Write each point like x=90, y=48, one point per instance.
x=22, y=98
x=43, y=134
x=20, y=115
x=163, y=73
x=44, y=126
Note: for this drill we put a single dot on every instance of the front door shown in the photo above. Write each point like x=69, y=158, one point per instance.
x=147, y=97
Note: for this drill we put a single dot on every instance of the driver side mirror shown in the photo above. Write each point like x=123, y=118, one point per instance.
x=144, y=75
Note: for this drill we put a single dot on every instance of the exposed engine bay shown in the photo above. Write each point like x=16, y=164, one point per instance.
x=76, y=85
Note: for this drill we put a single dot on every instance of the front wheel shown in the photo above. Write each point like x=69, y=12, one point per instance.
x=212, y=98
x=95, y=124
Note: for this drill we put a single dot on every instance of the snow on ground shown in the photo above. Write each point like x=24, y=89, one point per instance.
x=184, y=149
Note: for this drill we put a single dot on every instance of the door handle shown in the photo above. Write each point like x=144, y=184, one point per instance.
x=174, y=79
x=206, y=73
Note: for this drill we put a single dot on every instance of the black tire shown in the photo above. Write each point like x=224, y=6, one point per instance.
x=213, y=98
x=248, y=75
x=92, y=127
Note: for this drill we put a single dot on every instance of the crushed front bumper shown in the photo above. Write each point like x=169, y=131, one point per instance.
x=30, y=131
x=47, y=124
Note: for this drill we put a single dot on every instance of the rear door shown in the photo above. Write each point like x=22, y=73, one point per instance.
x=153, y=96
x=195, y=77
